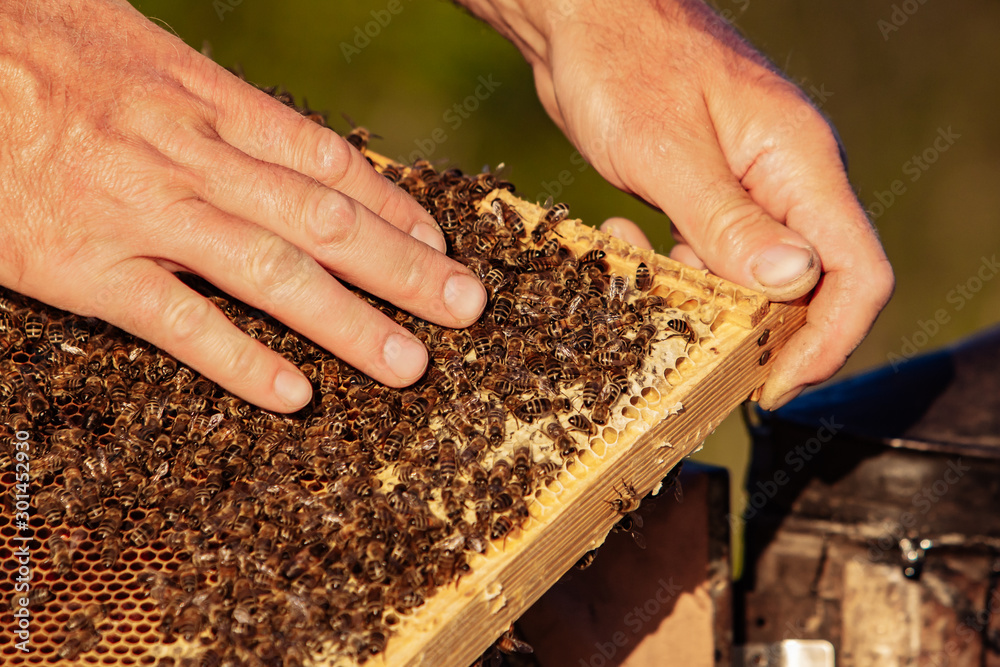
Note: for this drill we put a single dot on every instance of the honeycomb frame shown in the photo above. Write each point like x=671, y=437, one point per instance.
x=113, y=615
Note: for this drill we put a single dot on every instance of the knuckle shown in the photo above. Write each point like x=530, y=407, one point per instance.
x=330, y=157
x=187, y=319
x=277, y=267
x=332, y=219
x=883, y=281
x=729, y=220
x=242, y=360
x=415, y=279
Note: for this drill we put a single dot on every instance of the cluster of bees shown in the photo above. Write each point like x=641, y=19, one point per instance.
x=291, y=536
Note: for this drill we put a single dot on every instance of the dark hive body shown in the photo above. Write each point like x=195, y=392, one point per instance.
x=173, y=523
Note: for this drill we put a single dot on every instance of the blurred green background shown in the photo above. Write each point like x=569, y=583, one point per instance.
x=892, y=74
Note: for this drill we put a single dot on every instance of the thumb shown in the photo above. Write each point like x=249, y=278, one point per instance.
x=734, y=236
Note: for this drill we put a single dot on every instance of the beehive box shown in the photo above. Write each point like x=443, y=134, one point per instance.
x=167, y=522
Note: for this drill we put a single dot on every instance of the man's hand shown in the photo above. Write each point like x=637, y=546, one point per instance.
x=126, y=156
x=667, y=102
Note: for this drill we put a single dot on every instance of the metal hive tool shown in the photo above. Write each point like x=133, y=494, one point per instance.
x=174, y=524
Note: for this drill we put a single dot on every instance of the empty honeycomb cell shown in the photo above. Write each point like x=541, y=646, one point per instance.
x=588, y=458
x=598, y=447
x=610, y=435
x=576, y=469
x=629, y=412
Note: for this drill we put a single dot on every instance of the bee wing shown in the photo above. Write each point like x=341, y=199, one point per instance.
x=640, y=541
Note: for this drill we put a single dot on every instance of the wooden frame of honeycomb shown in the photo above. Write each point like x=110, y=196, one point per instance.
x=173, y=524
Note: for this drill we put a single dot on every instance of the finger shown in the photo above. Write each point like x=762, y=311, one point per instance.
x=626, y=230
x=264, y=128
x=175, y=318
x=345, y=237
x=726, y=228
x=270, y=273
x=839, y=316
x=684, y=254
x=802, y=181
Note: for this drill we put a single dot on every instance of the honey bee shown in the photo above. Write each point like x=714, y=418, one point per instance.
x=508, y=217
x=74, y=510
x=473, y=538
x=600, y=414
x=189, y=622
x=48, y=505
x=586, y=560
x=502, y=308
x=88, y=617
x=417, y=408
x=626, y=504
x=111, y=521
x=79, y=641
x=110, y=551
x=593, y=257
x=683, y=329
x=359, y=138
x=609, y=394
x=394, y=441
x=393, y=172
x=580, y=423
x=62, y=559
x=640, y=343
x=91, y=500
x=446, y=460
x=643, y=277
x=34, y=326
x=540, y=407
x=509, y=643
x=148, y=529
x=501, y=528
x=499, y=476
x=631, y=523
x=608, y=358
x=552, y=217
x=39, y=595
x=495, y=424
x=628, y=499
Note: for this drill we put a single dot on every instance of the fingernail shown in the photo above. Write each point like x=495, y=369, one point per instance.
x=428, y=235
x=781, y=264
x=405, y=356
x=464, y=297
x=783, y=399
x=292, y=388
x=613, y=228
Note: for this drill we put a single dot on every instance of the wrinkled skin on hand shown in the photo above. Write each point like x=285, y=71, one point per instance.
x=127, y=156
x=667, y=102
